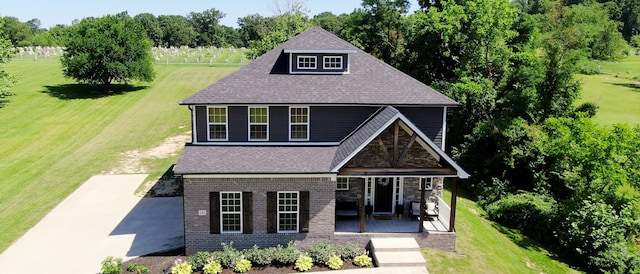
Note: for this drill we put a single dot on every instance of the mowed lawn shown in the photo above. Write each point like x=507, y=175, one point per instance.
x=616, y=92
x=55, y=136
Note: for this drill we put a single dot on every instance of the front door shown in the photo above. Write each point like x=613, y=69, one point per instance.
x=384, y=195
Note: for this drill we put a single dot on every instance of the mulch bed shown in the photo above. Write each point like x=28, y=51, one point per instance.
x=162, y=262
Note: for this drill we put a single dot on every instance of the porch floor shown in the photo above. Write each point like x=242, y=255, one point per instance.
x=394, y=225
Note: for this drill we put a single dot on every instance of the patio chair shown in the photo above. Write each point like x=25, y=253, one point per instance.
x=430, y=209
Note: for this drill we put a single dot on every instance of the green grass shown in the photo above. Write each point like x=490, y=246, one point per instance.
x=50, y=145
x=485, y=247
x=616, y=92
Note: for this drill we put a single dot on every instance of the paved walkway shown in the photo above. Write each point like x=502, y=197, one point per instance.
x=101, y=218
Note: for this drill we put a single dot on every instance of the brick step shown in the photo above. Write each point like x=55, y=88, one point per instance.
x=399, y=259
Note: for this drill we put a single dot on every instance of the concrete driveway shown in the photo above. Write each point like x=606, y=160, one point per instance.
x=101, y=218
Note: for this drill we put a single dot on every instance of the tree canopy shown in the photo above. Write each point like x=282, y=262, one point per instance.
x=6, y=79
x=107, y=49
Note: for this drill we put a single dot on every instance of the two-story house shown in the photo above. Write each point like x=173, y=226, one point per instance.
x=315, y=127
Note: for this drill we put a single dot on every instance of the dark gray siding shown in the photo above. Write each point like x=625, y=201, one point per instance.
x=279, y=124
x=332, y=124
x=319, y=63
x=428, y=120
x=201, y=123
x=238, y=123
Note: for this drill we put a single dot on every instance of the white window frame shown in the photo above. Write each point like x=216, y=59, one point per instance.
x=426, y=181
x=291, y=124
x=326, y=58
x=222, y=213
x=300, y=58
x=342, y=181
x=210, y=123
x=257, y=124
x=296, y=212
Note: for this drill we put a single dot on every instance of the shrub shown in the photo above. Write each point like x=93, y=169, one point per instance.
x=258, y=256
x=228, y=256
x=212, y=267
x=303, y=263
x=285, y=255
x=334, y=262
x=321, y=252
x=111, y=265
x=140, y=269
x=242, y=266
x=349, y=251
x=363, y=260
x=528, y=212
x=181, y=268
x=199, y=260
x=588, y=108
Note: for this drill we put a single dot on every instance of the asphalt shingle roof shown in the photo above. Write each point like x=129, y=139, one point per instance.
x=254, y=160
x=370, y=81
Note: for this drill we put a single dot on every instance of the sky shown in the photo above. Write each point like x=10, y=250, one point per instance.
x=53, y=12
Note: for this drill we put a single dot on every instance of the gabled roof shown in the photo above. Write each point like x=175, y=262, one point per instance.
x=380, y=121
x=370, y=81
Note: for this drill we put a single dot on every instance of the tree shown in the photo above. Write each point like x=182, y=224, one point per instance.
x=151, y=26
x=176, y=30
x=6, y=79
x=107, y=49
x=329, y=21
x=207, y=28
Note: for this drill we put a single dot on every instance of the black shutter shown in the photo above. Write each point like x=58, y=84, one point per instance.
x=214, y=212
x=247, y=212
x=304, y=211
x=272, y=212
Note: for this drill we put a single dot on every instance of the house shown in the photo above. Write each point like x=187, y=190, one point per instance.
x=308, y=141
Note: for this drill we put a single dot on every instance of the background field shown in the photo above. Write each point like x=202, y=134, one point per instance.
x=55, y=136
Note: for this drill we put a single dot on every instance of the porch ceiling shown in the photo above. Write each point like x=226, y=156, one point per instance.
x=444, y=172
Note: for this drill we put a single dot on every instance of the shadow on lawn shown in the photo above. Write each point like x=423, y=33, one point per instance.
x=86, y=91
x=634, y=86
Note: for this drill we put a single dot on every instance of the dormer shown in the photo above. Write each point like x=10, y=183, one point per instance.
x=319, y=61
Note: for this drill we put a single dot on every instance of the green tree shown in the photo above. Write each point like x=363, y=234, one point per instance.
x=176, y=31
x=107, y=49
x=151, y=26
x=206, y=25
x=288, y=22
x=6, y=79
x=329, y=21
x=17, y=32
x=254, y=27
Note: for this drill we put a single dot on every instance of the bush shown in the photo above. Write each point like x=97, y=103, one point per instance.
x=334, y=262
x=363, y=260
x=588, y=108
x=591, y=67
x=349, y=251
x=228, y=256
x=242, y=266
x=199, y=260
x=258, y=256
x=531, y=213
x=111, y=265
x=303, y=263
x=212, y=268
x=321, y=252
x=285, y=255
x=140, y=269
x=181, y=268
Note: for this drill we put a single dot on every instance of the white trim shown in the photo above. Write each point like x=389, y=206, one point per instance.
x=226, y=124
x=321, y=72
x=330, y=176
x=444, y=127
x=308, y=124
x=315, y=62
x=221, y=212
x=264, y=143
x=320, y=51
x=324, y=62
x=290, y=63
x=297, y=212
x=194, y=128
x=343, y=177
x=435, y=150
x=249, y=124
x=430, y=183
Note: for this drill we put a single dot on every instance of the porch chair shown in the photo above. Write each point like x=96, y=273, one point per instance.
x=430, y=209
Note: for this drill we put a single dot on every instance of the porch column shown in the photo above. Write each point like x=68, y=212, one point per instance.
x=362, y=213
x=454, y=194
x=421, y=221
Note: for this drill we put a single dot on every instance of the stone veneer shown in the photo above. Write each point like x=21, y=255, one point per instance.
x=197, y=228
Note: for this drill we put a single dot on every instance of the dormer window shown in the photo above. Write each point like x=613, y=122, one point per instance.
x=306, y=62
x=332, y=62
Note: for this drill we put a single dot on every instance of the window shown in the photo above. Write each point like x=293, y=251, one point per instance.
x=258, y=124
x=306, y=62
x=342, y=183
x=231, y=212
x=299, y=123
x=425, y=183
x=332, y=62
x=288, y=212
x=217, y=123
